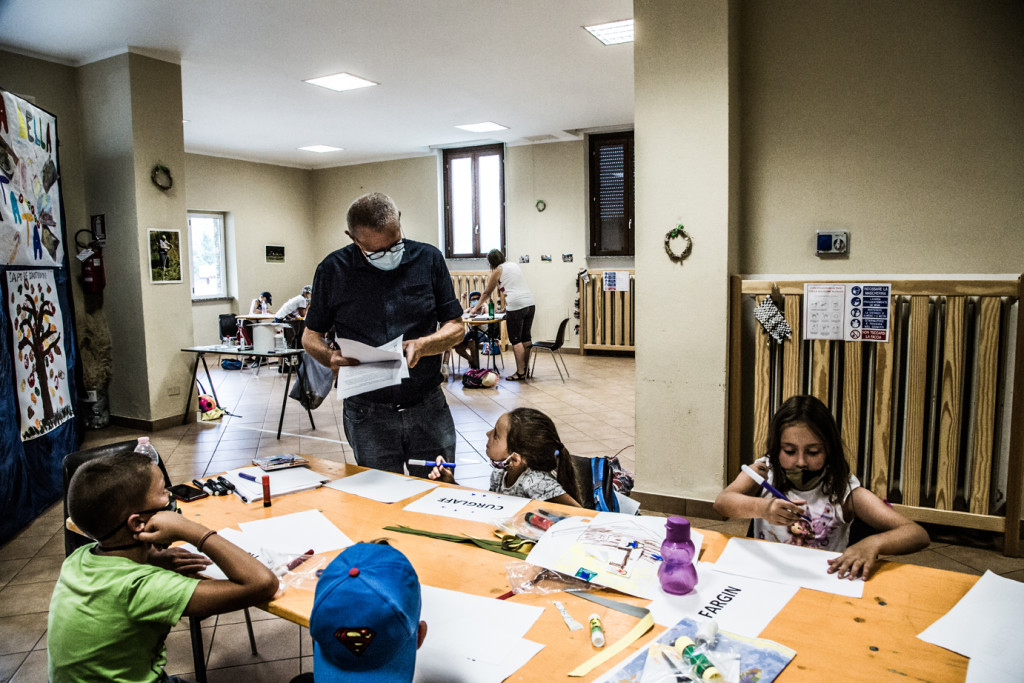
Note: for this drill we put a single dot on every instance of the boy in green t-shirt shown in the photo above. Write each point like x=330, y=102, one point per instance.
x=117, y=599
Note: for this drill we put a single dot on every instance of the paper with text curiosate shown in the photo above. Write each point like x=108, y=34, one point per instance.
x=379, y=367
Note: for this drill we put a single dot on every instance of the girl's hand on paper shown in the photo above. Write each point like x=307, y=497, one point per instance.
x=783, y=512
x=856, y=562
x=442, y=473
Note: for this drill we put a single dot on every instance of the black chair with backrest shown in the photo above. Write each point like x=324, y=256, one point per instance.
x=228, y=325
x=585, y=480
x=554, y=347
x=74, y=541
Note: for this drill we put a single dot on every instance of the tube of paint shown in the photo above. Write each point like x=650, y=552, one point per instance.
x=596, y=631
x=707, y=633
x=697, y=659
x=266, y=490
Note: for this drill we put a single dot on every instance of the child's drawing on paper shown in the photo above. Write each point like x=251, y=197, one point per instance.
x=41, y=372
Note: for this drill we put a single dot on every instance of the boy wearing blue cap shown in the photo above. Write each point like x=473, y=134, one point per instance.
x=366, y=617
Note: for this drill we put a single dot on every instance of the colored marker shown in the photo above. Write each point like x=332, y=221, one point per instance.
x=200, y=485
x=300, y=559
x=245, y=475
x=596, y=631
x=539, y=521
x=266, y=490
x=226, y=483
x=768, y=487
x=431, y=463
x=216, y=487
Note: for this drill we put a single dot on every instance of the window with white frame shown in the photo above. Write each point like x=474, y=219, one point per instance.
x=207, y=253
x=474, y=200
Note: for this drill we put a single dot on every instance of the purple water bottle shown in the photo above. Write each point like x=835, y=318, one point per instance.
x=677, y=573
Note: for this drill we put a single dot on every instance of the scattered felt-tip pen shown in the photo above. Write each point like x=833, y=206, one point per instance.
x=431, y=463
x=249, y=477
x=768, y=487
x=596, y=631
x=226, y=483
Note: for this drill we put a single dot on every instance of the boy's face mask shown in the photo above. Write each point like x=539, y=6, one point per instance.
x=804, y=480
x=474, y=302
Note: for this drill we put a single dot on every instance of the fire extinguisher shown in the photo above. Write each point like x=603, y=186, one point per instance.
x=93, y=277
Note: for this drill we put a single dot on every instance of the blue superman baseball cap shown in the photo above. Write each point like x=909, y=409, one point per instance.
x=366, y=615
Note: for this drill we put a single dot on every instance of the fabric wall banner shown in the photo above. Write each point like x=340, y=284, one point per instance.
x=40, y=368
x=30, y=208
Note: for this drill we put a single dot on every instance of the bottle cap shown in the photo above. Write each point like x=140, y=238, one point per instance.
x=143, y=440
x=677, y=529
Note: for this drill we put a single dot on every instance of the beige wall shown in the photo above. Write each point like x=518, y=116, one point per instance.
x=898, y=121
x=264, y=204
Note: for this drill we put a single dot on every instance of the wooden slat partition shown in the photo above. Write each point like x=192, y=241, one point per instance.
x=948, y=349
x=606, y=318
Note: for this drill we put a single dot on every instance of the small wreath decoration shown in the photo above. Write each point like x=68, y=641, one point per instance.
x=678, y=231
x=161, y=177
x=541, y=205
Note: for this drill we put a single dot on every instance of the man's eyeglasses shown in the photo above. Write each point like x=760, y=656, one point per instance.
x=393, y=249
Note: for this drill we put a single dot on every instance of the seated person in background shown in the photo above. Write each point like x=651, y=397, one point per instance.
x=365, y=622
x=805, y=461
x=469, y=347
x=261, y=304
x=524, y=450
x=117, y=599
x=295, y=307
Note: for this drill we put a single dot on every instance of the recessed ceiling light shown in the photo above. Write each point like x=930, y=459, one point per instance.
x=484, y=127
x=341, y=82
x=185, y=121
x=614, y=32
x=320, y=149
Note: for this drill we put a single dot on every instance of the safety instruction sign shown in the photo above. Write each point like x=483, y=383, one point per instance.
x=849, y=312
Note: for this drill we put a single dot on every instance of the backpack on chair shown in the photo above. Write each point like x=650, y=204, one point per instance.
x=609, y=477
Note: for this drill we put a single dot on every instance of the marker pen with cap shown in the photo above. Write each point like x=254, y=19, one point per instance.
x=226, y=483
x=266, y=490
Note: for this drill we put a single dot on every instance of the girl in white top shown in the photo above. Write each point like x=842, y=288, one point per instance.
x=805, y=462
x=519, y=307
x=528, y=459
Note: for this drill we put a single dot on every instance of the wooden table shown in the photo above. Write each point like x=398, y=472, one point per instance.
x=227, y=350
x=835, y=637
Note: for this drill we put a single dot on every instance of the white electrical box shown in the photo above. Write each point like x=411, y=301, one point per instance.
x=832, y=242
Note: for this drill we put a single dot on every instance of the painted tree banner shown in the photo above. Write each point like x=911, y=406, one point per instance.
x=40, y=368
x=29, y=192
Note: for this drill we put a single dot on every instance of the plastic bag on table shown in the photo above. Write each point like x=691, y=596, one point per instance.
x=524, y=577
x=529, y=525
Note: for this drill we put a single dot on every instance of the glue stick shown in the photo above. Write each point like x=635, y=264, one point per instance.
x=707, y=633
x=266, y=490
x=596, y=632
x=538, y=521
x=698, y=660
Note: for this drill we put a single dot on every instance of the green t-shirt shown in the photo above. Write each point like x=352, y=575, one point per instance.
x=109, y=618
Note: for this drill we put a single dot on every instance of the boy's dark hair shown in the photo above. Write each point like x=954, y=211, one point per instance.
x=534, y=437
x=495, y=258
x=809, y=411
x=374, y=211
x=105, y=491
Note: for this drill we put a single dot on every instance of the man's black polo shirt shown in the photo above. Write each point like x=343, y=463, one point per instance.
x=374, y=306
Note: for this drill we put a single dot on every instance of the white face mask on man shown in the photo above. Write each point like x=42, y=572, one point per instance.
x=390, y=259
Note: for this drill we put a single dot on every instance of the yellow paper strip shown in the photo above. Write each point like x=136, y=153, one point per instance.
x=645, y=625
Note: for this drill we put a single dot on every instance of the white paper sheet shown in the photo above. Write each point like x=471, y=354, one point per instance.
x=385, y=487
x=738, y=603
x=784, y=563
x=383, y=366
x=473, y=639
x=296, y=533
x=985, y=626
x=471, y=504
x=249, y=544
x=580, y=544
x=288, y=480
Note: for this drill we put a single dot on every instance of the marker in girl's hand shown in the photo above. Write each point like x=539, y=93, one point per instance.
x=768, y=487
x=431, y=463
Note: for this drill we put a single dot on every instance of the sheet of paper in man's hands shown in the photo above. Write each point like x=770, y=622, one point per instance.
x=379, y=367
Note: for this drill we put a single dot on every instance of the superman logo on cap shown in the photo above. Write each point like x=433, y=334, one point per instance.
x=355, y=639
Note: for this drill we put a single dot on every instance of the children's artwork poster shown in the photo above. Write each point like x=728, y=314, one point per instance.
x=616, y=280
x=737, y=658
x=30, y=206
x=40, y=368
x=847, y=312
x=164, y=256
x=471, y=504
x=614, y=550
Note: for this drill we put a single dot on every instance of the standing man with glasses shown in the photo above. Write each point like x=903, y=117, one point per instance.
x=371, y=291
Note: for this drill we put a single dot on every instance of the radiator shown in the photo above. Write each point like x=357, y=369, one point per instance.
x=606, y=318
x=476, y=281
x=928, y=419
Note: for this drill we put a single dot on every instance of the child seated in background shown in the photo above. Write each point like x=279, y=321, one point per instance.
x=805, y=461
x=528, y=458
x=117, y=599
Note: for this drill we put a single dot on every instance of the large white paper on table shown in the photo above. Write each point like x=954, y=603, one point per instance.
x=250, y=543
x=379, y=367
x=614, y=550
x=985, y=626
x=385, y=487
x=471, y=504
x=783, y=563
x=739, y=604
x=298, y=532
x=473, y=639
x=288, y=480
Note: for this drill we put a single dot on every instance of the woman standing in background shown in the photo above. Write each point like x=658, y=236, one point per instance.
x=519, y=307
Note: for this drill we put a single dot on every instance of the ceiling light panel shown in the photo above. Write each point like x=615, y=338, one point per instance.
x=340, y=82
x=321, y=149
x=613, y=33
x=484, y=127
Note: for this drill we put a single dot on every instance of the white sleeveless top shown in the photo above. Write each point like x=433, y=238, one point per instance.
x=827, y=530
x=517, y=293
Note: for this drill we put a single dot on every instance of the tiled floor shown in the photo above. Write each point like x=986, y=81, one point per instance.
x=594, y=412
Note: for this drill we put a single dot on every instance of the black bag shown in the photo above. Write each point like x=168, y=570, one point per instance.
x=314, y=383
x=231, y=364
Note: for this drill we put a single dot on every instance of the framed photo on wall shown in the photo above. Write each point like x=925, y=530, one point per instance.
x=164, y=256
x=275, y=254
